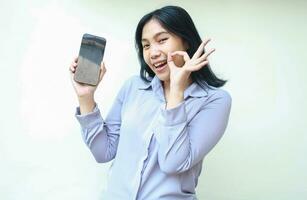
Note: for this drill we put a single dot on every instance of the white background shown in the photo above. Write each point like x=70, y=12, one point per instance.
x=260, y=50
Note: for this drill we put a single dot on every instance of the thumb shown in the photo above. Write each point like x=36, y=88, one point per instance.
x=170, y=60
x=102, y=71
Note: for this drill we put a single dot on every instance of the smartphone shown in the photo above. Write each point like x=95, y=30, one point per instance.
x=90, y=56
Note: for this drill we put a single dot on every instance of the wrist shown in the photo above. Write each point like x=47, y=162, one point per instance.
x=174, y=88
x=175, y=98
x=87, y=104
x=176, y=94
x=85, y=97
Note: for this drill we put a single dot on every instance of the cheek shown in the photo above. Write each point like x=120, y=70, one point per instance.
x=145, y=57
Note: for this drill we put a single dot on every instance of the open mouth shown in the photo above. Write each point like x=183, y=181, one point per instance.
x=160, y=66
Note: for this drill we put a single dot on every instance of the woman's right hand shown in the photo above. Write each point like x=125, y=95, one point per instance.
x=84, y=90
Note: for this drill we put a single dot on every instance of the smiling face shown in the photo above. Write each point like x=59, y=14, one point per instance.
x=157, y=42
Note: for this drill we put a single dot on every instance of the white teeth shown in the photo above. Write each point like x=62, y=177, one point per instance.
x=157, y=64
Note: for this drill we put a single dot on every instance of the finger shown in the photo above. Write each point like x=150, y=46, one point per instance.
x=184, y=54
x=72, y=79
x=198, y=66
x=204, y=56
x=170, y=61
x=201, y=48
x=71, y=68
x=74, y=83
x=74, y=64
x=207, y=54
x=103, y=66
x=103, y=70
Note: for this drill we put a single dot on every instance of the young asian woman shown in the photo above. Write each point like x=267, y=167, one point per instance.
x=163, y=121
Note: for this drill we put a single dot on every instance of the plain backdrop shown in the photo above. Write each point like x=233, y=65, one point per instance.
x=260, y=50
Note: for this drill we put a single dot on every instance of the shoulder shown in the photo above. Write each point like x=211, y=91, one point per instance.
x=130, y=87
x=132, y=83
x=214, y=92
x=135, y=81
x=219, y=95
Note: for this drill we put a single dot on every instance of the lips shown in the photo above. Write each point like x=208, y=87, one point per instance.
x=159, y=64
x=161, y=68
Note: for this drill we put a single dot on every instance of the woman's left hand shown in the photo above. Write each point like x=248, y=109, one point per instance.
x=179, y=75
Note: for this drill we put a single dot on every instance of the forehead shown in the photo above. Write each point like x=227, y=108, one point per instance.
x=152, y=28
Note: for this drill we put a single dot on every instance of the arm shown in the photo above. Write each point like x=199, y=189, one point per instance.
x=183, y=144
x=102, y=136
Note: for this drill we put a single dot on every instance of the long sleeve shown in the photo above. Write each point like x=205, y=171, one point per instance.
x=183, y=144
x=102, y=136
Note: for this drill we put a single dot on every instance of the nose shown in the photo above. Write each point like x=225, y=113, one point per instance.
x=154, y=52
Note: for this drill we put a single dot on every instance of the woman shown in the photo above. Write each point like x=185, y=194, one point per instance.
x=163, y=122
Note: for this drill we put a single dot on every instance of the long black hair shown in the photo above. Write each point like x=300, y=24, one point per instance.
x=177, y=21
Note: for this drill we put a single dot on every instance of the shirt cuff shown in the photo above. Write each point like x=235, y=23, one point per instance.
x=90, y=119
x=173, y=116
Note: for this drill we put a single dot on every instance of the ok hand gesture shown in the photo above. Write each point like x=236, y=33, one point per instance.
x=180, y=75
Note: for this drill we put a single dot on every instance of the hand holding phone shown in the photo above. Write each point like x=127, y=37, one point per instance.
x=90, y=56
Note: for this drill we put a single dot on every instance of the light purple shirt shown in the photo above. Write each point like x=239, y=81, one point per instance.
x=157, y=153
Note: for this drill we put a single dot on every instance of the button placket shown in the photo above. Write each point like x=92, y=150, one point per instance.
x=148, y=137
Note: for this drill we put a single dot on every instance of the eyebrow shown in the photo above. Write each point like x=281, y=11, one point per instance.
x=156, y=35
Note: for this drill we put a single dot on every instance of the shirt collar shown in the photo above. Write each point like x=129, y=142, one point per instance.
x=154, y=83
x=194, y=90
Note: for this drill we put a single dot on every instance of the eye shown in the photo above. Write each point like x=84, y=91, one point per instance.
x=145, y=46
x=162, y=40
